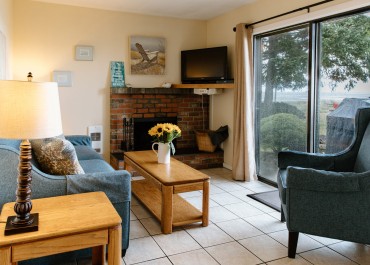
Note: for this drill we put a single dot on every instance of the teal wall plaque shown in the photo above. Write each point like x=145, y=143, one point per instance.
x=117, y=71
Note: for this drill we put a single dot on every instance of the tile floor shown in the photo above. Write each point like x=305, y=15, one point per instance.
x=241, y=231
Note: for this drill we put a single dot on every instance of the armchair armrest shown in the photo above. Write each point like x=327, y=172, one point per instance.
x=115, y=184
x=306, y=160
x=79, y=139
x=326, y=181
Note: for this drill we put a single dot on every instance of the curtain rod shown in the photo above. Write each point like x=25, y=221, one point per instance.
x=287, y=13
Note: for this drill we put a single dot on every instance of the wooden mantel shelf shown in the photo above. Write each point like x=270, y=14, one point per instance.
x=174, y=89
x=224, y=85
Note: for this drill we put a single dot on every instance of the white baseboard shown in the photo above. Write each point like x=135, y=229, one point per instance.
x=227, y=166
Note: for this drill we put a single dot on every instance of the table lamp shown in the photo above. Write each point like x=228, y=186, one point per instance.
x=28, y=110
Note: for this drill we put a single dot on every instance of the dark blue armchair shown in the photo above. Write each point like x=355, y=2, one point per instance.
x=328, y=194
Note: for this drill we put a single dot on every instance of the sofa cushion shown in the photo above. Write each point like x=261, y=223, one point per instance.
x=10, y=142
x=15, y=144
x=79, y=139
x=56, y=156
x=95, y=165
x=86, y=153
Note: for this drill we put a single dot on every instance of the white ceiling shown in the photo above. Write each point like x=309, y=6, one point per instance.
x=187, y=9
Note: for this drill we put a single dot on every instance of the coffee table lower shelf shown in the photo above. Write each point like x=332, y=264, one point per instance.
x=183, y=212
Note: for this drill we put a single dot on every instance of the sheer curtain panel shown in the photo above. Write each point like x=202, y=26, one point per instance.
x=244, y=165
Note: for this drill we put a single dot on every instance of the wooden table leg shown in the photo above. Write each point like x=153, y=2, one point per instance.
x=167, y=209
x=205, y=204
x=5, y=256
x=98, y=255
x=115, y=245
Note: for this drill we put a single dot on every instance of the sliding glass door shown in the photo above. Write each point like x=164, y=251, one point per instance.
x=343, y=79
x=282, y=95
x=309, y=81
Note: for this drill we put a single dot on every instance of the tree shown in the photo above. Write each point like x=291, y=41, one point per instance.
x=345, y=55
x=346, y=50
x=284, y=61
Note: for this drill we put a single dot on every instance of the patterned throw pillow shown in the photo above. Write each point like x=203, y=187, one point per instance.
x=56, y=156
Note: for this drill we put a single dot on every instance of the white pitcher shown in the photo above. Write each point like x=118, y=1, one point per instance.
x=163, y=153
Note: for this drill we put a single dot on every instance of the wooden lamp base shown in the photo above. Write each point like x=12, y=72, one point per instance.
x=12, y=229
x=24, y=221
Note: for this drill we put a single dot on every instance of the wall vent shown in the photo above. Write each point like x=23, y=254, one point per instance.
x=96, y=134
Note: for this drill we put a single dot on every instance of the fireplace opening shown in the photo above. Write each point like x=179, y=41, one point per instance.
x=141, y=126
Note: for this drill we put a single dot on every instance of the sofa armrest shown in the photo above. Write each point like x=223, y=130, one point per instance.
x=326, y=181
x=43, y=185
x=306, y=160
x=79, y=139
x=115, y=184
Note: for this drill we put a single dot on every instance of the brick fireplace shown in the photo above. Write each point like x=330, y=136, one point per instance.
x=191, y=111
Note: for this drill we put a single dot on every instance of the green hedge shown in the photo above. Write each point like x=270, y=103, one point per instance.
x=283, y=131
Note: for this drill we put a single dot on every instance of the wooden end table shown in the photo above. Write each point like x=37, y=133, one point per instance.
x=66, y=223
x=159, y=190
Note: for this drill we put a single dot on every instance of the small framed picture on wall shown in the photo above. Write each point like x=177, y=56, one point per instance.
x=63, y=78
x=84, y=53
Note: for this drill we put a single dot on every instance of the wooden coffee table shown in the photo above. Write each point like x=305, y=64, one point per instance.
x=159, y=190
x=66, y=223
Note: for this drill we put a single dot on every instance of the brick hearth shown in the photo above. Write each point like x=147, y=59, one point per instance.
x=192, y=114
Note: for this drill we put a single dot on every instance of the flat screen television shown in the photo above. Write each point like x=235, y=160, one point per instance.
x=207, y=65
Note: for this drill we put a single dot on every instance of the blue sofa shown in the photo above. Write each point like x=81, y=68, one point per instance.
x=99, y=176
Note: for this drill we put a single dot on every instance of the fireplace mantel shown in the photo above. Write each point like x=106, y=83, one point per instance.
x=150, y=90
x=176, y=89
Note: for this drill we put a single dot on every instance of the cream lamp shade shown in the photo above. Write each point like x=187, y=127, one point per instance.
x=29, y=110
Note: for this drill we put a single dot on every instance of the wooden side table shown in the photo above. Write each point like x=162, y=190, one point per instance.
x=66, y=223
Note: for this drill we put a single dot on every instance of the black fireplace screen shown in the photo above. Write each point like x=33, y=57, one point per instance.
x=135, y=132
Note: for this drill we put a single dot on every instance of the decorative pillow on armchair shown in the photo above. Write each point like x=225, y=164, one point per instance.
x=56, y=156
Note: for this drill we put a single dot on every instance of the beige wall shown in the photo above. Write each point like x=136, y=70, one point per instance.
x=6, y=17
x=45, y=36
x=220, y=32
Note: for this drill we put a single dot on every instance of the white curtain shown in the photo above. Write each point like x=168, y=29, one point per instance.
x=244, y=164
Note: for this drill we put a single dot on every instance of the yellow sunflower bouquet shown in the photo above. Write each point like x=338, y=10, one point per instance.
x=165, y=133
